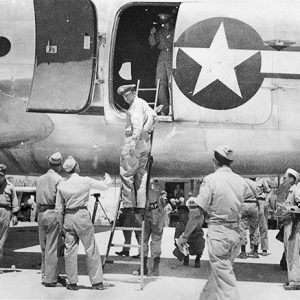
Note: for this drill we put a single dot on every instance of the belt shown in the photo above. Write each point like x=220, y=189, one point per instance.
x=234, y=225
x=6, y=206
x=261, y=198
x=74, y=210
x=223, y=222
x=250, y=201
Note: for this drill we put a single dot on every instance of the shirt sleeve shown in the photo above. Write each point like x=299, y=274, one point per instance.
x=14, y=200
x=59, y=207
x=97, y=184
x=297, y=195
x=128, y=124
x=205, y=194
x=152, y=39
x=137, y=121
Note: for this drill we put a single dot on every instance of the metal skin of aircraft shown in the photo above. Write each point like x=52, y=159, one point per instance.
x=236, y=81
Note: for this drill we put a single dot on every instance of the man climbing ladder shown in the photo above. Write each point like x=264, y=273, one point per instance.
x=141, y=119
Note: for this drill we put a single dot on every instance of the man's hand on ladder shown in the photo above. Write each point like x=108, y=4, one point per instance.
x=159, y=108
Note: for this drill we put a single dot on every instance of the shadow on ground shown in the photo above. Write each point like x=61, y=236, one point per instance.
x=168, y=267
x=25, y=237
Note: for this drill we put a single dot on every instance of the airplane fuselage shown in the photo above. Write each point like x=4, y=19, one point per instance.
x=236, y=81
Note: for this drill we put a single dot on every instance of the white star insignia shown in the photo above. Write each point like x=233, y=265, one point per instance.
x=218, y=62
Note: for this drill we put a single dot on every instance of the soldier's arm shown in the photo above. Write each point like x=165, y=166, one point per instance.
x=128, y=130
x=152, y=37
x=59, y=209
x=15, y=206
x=137, y=121
x=196, y=217
x=14, y=201
x=101, y=185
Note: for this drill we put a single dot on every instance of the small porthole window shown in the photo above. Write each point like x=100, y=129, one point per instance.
x=5, y=46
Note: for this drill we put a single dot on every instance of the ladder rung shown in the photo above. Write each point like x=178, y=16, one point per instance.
x=147, y=89
x=123, y=262
x=128, y=228
x=126, y=245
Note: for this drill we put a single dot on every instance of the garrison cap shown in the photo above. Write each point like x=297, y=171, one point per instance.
x=69, y=164
x=293, y=173
x=123, y=89
x=55, y=158
x=164, y=18
x=2, y=169
x=225, y=151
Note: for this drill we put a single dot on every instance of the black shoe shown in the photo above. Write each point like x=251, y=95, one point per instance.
x=72, y=286
x=123, y=252
x=98, y=286
x=136, y=256
x=186, y=260
x=291, y=287
x=243, y=255
x=197, y=263
x=50, y=284
x=62, y=281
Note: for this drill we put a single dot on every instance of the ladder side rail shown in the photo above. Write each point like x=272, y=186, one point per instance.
x=137, y=87
x=156, y=94
x=112, y=231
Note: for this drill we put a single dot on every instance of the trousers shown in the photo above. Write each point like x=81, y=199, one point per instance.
x=78, y=226
x=223, y=247
x=249, y=220
x=164, y=74
x=4, y=226
x=292, y=253
x=155, y=231
x=133, y=174
x=48, y=237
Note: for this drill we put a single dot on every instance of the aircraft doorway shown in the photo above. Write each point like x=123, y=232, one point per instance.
x=133, y=58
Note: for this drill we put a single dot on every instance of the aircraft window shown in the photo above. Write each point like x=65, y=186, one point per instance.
x=134, y=59
x=5, y=46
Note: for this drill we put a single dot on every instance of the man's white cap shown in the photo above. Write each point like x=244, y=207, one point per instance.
x=69, y=164
x=55, y=158
x=294, y=173
x=225, y=151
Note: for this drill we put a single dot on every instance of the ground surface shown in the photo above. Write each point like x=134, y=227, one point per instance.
x=258, y=279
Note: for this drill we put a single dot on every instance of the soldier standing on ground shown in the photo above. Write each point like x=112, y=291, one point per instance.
x=9, y=208
x=75, y=221
x=221, y=197
x=46, y=190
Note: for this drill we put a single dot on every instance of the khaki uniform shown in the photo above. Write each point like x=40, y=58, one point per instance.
x=292, y=245
x=46, y=191
x=154, y=223
x=221, y=196
x=263, y=215
x=250, y=215
x=8, y=204
x=164, y=41
x=72, y=199
x=140, y=121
